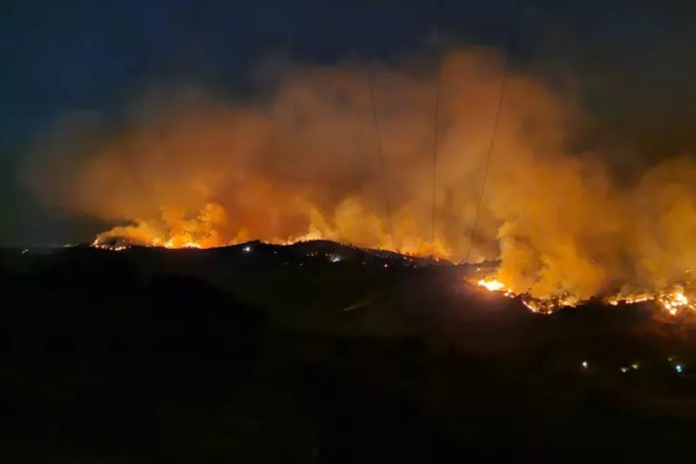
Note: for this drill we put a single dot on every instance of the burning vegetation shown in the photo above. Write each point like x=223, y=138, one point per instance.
x=674, y=301
x=190, y=171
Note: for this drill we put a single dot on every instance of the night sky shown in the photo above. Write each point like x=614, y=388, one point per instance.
x=633, y=64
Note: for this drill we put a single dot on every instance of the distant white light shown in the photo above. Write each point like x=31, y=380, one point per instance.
x=624, y=369
x=335, y=259
x=679, y=368
x=635, y=366
x=25, y=251
x=247, y=249
x=584, y=365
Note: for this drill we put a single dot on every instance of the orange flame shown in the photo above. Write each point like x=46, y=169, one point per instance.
x=673, y=301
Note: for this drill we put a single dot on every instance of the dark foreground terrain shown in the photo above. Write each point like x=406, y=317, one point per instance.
x=321, y=353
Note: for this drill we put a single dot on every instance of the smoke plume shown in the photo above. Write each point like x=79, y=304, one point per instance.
x=194, y=170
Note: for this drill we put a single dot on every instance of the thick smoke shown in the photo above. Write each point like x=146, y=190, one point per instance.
x=304, y=164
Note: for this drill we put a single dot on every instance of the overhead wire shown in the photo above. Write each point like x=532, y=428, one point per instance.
x=380, y=153
x=516, y=10
x=436, y=115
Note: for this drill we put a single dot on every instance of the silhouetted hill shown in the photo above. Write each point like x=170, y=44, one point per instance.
x=320, y=352
x=317, y=286
x=82, y=301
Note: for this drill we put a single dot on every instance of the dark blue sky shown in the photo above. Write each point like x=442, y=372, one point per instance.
x=634, y=62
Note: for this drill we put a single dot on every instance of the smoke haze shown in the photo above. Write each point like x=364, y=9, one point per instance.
x=188, y=168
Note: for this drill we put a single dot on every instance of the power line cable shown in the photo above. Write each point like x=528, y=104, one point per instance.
x=380, y=154
x=436, y=115
x=517, y=8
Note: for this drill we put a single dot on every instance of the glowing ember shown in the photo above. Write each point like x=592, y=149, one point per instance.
x=112, y=248
x=105, y=246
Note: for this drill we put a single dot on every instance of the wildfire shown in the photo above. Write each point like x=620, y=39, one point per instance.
x=630, y=299
x=492, y=285
x=674, y=301
x=293, y=166
x=177, y=242
x=536, y=305
x=103, y=246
